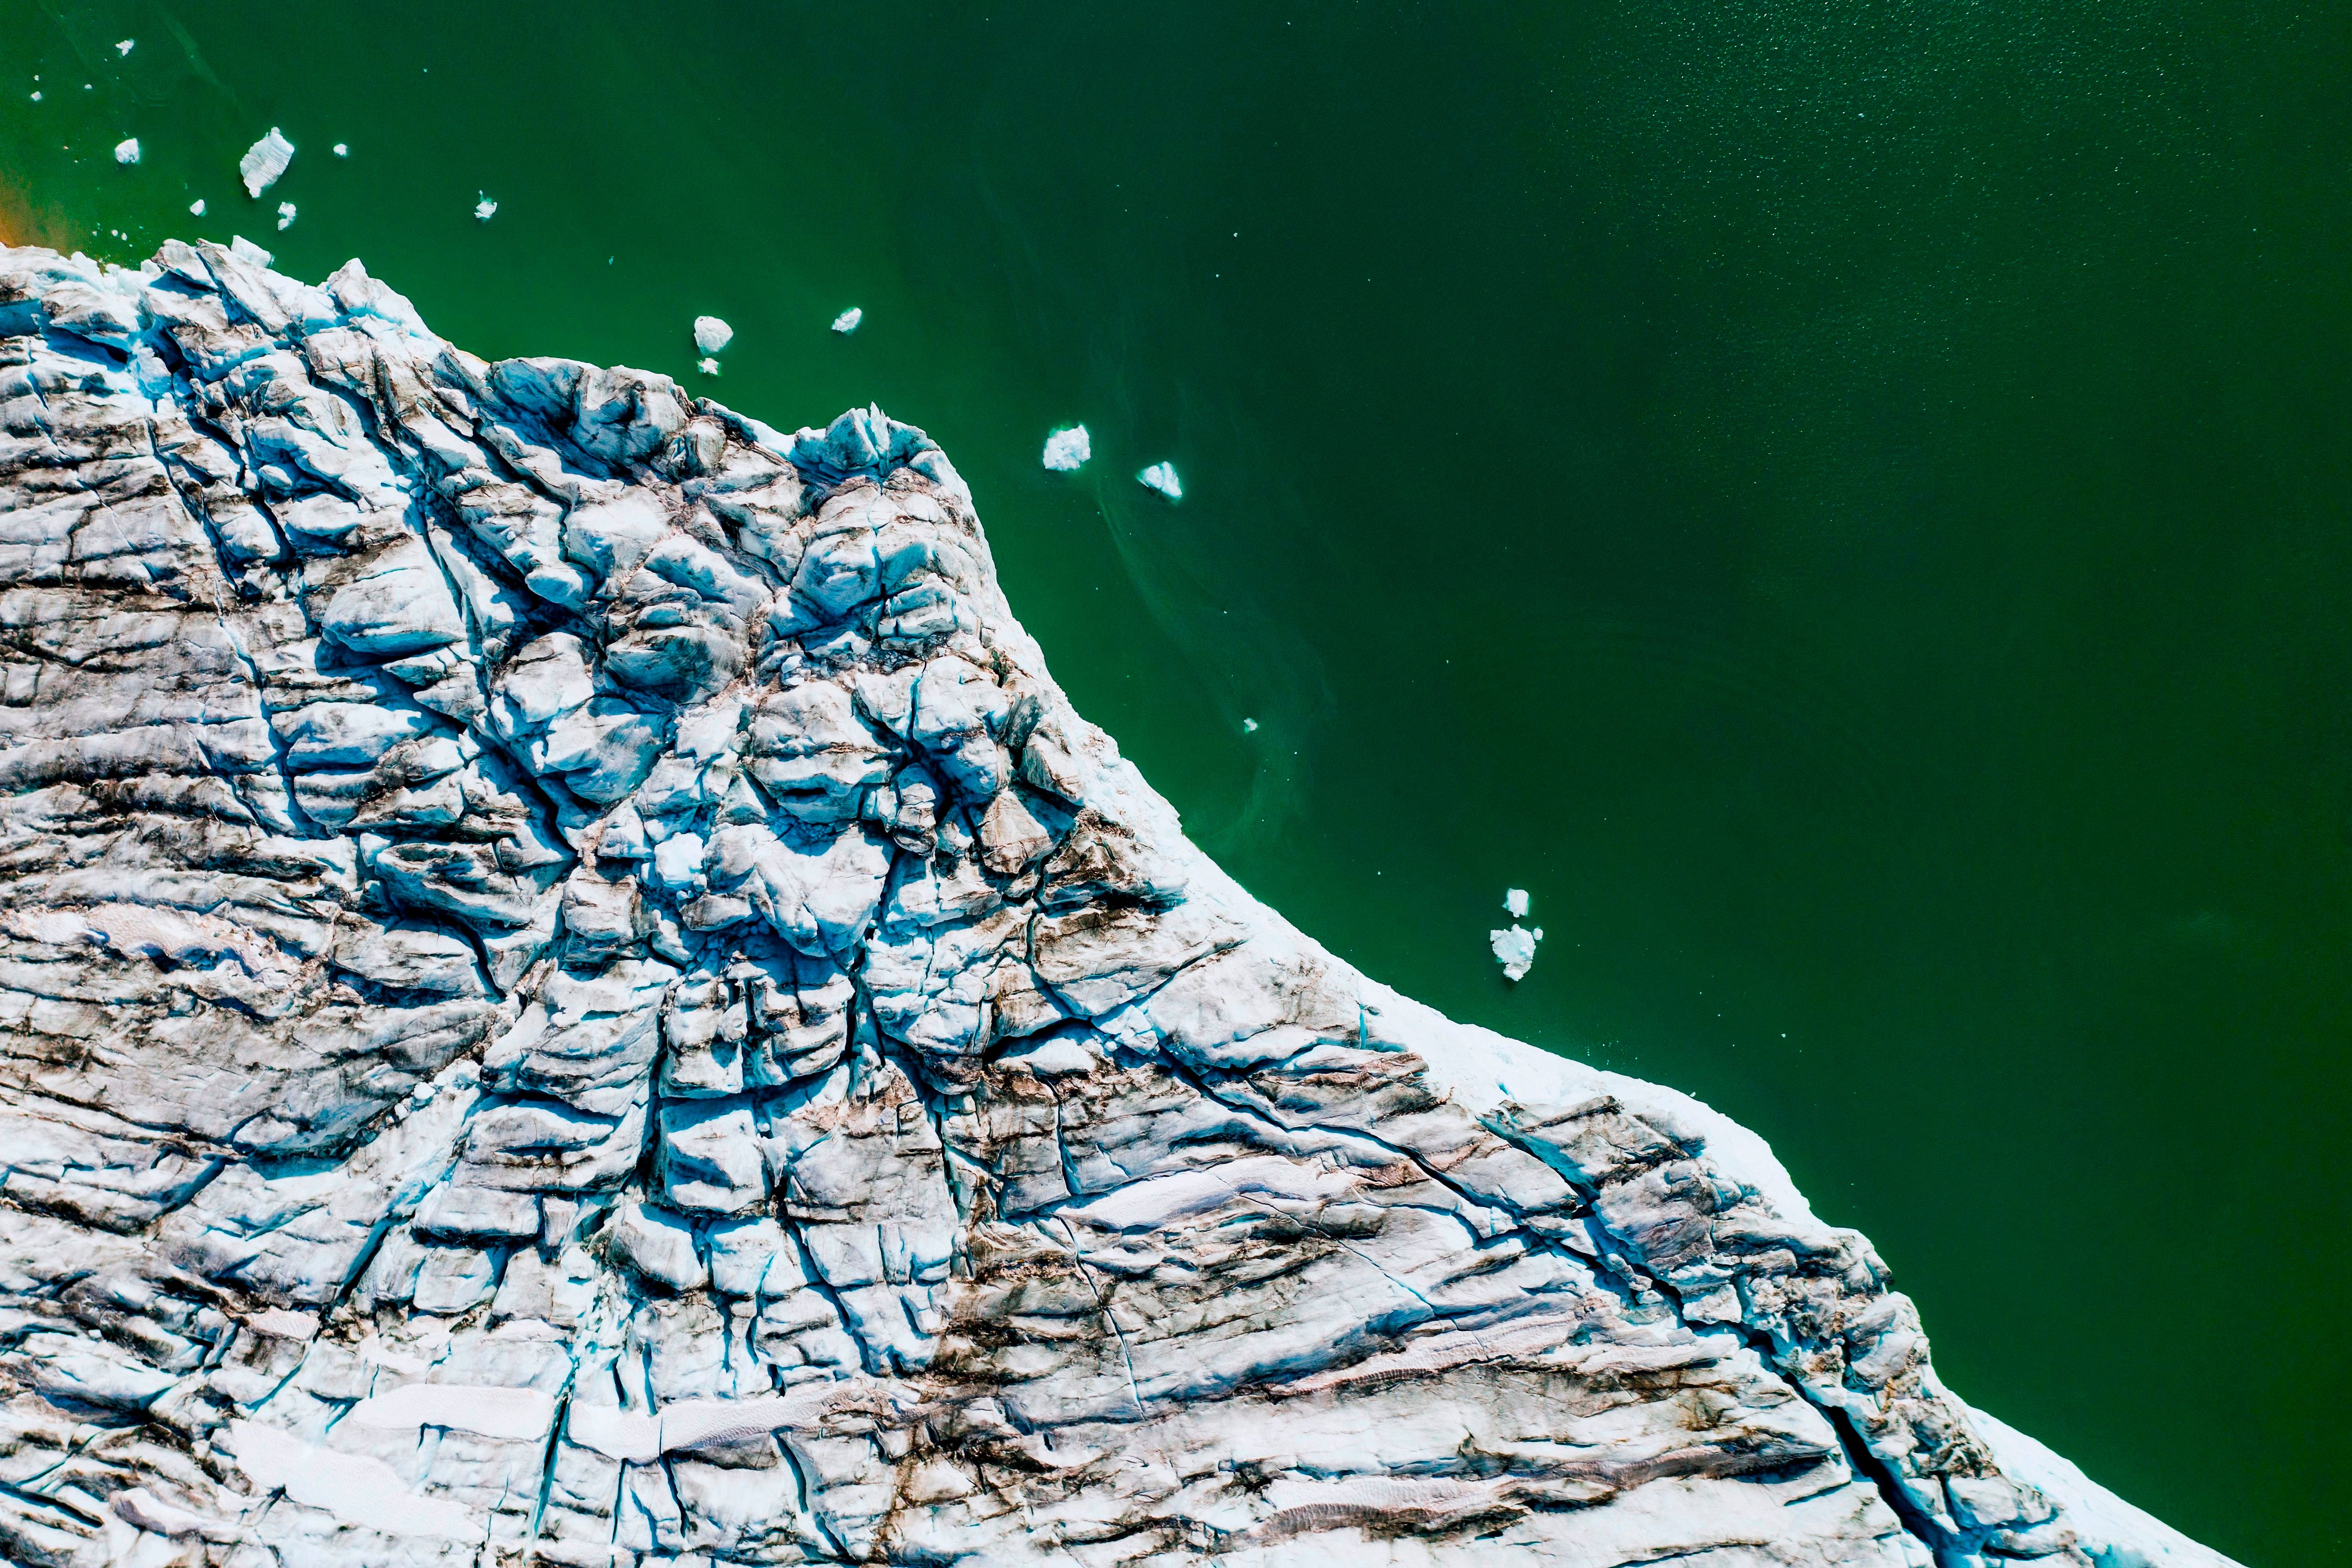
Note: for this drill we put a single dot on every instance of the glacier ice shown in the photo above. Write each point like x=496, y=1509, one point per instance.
x=1162, y=476
x=127, y=150
x=264, y=162
x=1515, y=949
x=578, y=993
x=848, y=319
x=1066, y=448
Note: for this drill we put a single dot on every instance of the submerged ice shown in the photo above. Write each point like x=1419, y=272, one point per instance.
x=578, y=994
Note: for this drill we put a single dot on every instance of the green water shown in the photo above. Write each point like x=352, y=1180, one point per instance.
x=1846, y=503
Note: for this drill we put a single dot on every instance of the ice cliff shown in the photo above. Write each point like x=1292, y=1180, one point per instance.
x=574, y=993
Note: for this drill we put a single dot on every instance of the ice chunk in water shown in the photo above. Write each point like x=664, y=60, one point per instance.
x=198, y=206
x=126, y=45
x=342, y=148
x=1065, y=449
x=848, y=319
x=285, y=214
x=127, y=150
x=1249, y=726
x=484, y=207
x=264, y=162
x=1515, y=903
x=1162, y=476
x=707, y=367
x=1515, y=949
x=712, y=334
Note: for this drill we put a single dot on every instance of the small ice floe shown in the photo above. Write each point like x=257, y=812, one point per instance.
x=1515, y=903
x=342, y=148
x=198, y=206
x=1162, y=476
x=484, y=208
x=848, y=319
x=284, y=215
x=36, y=95
x=1065, y=449
x=707, y=367
x=126, y=45
x=711, y=335
x=1515, y=949
x=264, y=162
x=1249, y=726
x=127, y=150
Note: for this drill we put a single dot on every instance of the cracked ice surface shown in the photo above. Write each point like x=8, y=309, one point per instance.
x=577, y=994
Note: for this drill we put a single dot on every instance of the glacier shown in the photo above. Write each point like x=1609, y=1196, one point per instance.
x=576, y=993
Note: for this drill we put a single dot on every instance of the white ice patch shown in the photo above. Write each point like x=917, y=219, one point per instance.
x=707, y=367
x=848, y=319
x=285, y=214
x=198, y=206
x=712, y=334
x=1515, y=903
x=484, y=208
x=264, y=162
x=1515, y=949
x=127, y=150
x=126, y=45
x=1065, y=449
x=352, y=1487
x=342, y=150
x=1162, y=476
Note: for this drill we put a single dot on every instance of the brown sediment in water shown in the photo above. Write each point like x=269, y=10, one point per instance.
x=23, y=222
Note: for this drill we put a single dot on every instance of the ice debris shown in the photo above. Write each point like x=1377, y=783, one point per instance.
x=342, y=150
x=126, y=45
x=36, y=95
x=284, y=215
x=127, y=150
x=264, y=162
x=1162, y=476
x=848, y=319
x=196, y=207
x=484, y=208
x=1515, y=949
x=1067, y=448
x=1515, y=903
x=711, y=335
x=708, y=367
x=1249, y=726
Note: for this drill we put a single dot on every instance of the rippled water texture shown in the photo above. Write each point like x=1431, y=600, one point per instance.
x=1844, y=503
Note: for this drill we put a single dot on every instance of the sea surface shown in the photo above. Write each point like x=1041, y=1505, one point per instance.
x=1844, y=503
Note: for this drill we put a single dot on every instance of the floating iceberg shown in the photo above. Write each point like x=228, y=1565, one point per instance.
x=264, y=162
x=484, y=207
x=1515, y=949
x=848, y=319
x=1162, y=476
x=284, y=215
x=127, y=150
x=707, y=366
x=712, y=334
x=198, y=206
x=126, y=45
x=1249, y=726
x=1515, y=903
x=1065, y=449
